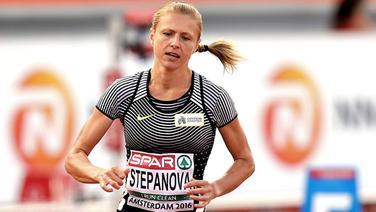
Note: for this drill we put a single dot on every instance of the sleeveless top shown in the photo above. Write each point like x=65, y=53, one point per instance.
x=167, y=142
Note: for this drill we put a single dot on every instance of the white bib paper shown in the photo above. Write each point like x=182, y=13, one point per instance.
x=156, y=181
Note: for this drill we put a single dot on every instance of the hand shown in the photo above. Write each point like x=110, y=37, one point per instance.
x=200, y=190
x=112, y=177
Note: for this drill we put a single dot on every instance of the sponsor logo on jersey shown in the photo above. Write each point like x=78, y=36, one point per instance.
x=189, y=120
x=141, y=118
x=184, y=162
x=152, y=161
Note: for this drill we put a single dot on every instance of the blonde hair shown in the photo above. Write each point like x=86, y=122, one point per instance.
x=222, y=49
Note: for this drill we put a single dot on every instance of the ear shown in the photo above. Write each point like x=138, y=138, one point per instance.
x=151, y=37
x=197, y=45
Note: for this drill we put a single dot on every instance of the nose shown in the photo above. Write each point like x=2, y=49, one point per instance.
x=175, y=43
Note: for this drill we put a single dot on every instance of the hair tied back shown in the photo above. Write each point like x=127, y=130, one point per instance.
x=206, y=48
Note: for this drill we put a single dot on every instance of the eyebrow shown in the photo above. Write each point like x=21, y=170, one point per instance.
x=184, y=33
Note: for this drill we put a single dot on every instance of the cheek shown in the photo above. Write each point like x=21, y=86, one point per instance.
x=158, y=43
x=161, y=41
x=192, y=47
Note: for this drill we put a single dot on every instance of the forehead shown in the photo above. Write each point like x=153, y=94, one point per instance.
x=178, y=22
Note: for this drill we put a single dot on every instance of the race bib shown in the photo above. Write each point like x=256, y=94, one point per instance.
x=156, y=181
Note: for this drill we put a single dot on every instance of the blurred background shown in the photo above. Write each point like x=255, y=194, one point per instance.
x=305, y=97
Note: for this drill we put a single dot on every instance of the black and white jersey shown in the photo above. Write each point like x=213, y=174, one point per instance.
x=167, y=142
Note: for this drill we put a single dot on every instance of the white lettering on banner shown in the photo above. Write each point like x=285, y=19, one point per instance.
x=156, y=181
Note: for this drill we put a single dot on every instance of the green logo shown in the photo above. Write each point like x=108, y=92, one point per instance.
x=184, y=162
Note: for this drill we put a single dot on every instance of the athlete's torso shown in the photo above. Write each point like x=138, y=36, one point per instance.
x=168, y=143
x=166, y=147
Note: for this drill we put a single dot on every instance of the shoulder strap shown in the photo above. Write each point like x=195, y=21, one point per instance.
x=132, y=98
x=204, y=106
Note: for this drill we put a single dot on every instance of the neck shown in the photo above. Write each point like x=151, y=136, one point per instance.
x=170, y=79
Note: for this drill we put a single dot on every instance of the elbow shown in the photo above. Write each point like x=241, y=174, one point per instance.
x=250, y=167
x=67, y=164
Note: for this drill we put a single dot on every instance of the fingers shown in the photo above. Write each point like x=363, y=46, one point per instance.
x=115, y=178
x=201, y=191
x=196, y=183
x=104, y=184
x=203, y=200
x=112, y=178
x=198, y=191
x=126, y=171
x=106, y=187
x=200, y=198
x=119, y=172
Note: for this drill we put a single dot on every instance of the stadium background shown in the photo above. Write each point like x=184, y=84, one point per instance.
x=305, y=96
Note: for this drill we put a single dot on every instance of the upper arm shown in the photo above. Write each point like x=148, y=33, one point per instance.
x=236, y=141
x=92, y=132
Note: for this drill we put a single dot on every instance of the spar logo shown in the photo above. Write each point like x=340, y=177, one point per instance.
x=159, y=161
x=43, y=119
x=152, y=161
x=292, y=116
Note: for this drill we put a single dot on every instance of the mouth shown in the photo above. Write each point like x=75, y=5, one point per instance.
x=172, y=54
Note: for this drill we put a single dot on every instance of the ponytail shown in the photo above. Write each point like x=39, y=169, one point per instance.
x=225, y=52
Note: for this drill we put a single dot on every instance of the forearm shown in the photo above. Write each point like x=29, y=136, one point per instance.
x=240, y=170
x=77, y=163
x=80, y=168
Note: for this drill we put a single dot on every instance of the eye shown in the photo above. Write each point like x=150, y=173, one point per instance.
x=167, y=33
x=186, y=38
